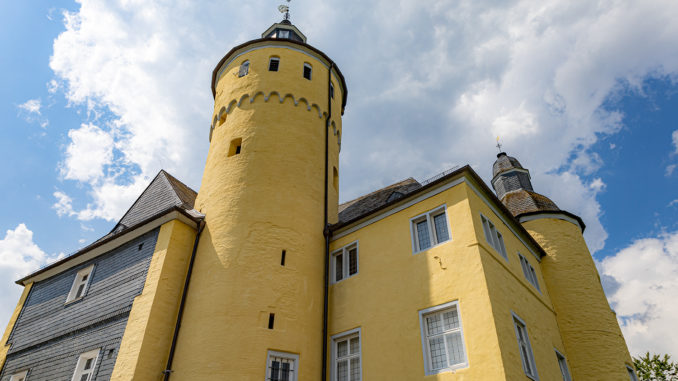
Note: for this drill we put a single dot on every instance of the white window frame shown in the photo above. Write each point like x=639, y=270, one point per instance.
x=433, y=238
x=632, y=373
x=529, y=272
x=344, y=251
x=530, y=371
x=564, y=368
x=493, y=236
x=293, y=357
x=348, y=335
x=20, y=376
x=82, y=360
x=78, y=281
x=426, y=350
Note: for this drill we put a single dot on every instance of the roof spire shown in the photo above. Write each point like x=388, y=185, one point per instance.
x=498, y=144
x=286, y=10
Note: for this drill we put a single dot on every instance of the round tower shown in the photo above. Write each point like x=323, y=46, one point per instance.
x=270, y=186
x=596, y=349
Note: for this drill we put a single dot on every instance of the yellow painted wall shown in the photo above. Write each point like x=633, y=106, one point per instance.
x=592, y=337
x=4, y=348
x=145, y=345
x=267, y=199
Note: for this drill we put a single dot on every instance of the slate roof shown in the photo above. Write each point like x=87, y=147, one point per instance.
x=524, y=201
x=365, y=204
x=504, y=163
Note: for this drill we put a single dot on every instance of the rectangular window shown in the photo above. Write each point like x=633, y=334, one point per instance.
x=235, y=147
x=529, y=272
x=632, y=373
x=345, y=262
x=442, y=338
x=493, y=237
x=525, y=348
x=562, y=363
x=429, y=229
x=331, y=90
x=80, y=284
x=85, y=367
x=273, y=64
x=346, y=353
x=21, y=376
x=307, y=71
x=281, y=366
x=244, y=69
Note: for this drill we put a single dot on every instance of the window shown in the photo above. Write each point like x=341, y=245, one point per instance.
x=632, y=373
x=429, y=229
x=442, y=338
x=307, y=71
x=85, y=367
x=236, y=146
x=281, y=366
x=80, y=284
x=283, y=33
x=21, y=376
x=493, y=237
x=529, y=272
x=524, y=347
x=244, y=69
x=345, y=262
x=562, y=363
x=273, y=64
x=331, y=90
x=346, y=353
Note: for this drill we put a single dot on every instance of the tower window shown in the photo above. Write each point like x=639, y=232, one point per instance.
x=307, y=71
x=244, y=69
x=429, y=229
x=273, y=64
x=271, y=320
x=331, y=90
x=443, y=338
x=345, y=262
x=281, y=366
x=80, y=284
x=236, y=146
x=282, y=33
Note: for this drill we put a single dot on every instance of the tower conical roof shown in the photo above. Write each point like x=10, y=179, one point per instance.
x=504, y=163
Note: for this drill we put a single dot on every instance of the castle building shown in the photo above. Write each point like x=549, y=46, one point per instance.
x=262, y=275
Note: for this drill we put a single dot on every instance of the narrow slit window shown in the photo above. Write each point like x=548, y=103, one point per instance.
x=271, y=320
x=235, y=148
x=529, y=272
x=564, y=370
x=141, y=246
x=331, y=90
x=345, y=262
x=308, y=70
x=244, y=69
x=335, y=179
x=282, y=257
x=80, y=284
x=273, y=64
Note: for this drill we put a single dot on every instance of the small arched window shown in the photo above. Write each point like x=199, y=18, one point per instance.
x=273, y=64
x=307, y=71
x=244, y=69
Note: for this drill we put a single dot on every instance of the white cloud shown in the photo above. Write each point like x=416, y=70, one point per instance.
x=19, y=255
x=64, y=204
x=669, y=169
x=31, y=106
x=675, y=140
x=90, y=150
x=645, y=296
x=31, y=112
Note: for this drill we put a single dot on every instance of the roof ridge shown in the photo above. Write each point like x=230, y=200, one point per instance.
x=381, y=189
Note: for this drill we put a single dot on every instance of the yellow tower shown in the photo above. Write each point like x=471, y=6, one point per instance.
x=588, y=327
x=269, y=189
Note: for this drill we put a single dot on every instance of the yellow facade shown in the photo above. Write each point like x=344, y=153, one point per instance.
x=266, y=199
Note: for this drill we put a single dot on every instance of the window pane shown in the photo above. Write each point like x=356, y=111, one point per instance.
x=352, y=261
x=338, y=267
x=84, y=377
x=563, y=368
x=355, y=369
x=342, y=370
x=275, y=371
x=437, y=346
x=450, y=319
x=355, y=345
x=285, y=372
x=342, y=348
x=440, y=223
x=423, y=235
x=486, y=228
x=88, y=364
x=81, y=288
x=433, y=324
x=455, y=346
x=500, y=242
x=273, y=64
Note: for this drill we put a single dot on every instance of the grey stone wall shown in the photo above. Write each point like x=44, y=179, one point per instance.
x=50, y=334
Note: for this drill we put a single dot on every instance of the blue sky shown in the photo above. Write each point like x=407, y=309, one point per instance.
x=98, y=96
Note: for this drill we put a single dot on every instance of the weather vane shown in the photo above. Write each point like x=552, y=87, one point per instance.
x=285, y=9
x=498, y=144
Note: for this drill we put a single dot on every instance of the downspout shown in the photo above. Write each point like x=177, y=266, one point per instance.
x=326, y=227
x=168, y=370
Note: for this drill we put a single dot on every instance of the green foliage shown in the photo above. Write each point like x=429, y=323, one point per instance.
x=655, y=368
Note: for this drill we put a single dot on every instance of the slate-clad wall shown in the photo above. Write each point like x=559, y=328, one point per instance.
x=511, y=181
x=50, y=332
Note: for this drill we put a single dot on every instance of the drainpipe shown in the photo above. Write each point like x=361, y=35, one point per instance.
x=168, y=370
x=326, y=227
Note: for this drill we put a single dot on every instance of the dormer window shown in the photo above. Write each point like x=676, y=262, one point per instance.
x=307, y=71
x=283, y=33
x=244, y=69
x=80, y=284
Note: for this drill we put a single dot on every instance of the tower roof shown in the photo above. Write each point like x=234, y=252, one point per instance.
x=504, y=163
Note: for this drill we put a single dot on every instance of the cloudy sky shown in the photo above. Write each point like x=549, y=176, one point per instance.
x=98, y=95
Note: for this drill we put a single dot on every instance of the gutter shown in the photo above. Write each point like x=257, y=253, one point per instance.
x=326, y=229
x=168, y=369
